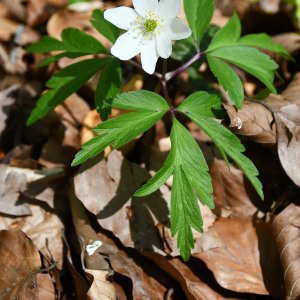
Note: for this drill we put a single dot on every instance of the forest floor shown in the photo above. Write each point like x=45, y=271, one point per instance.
x=78, y=233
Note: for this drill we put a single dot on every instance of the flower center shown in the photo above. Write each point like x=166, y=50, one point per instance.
x=150, y=25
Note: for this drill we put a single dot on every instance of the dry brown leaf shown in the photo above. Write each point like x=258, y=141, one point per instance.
x=62, y=145
x=288, y=138
x=291, y=42
x=254, y=121
x=20, y=264
x=108, y=196
x=286, y=227
x=101, y=288
x=11, y=186
x=16, y=8
x=232, y=251
x=37, y=12
x=148, y=281
x=92, y=260
x=230, y=194
x=133, y=220
x=6, y=101
x=193, y=287
x=292, y=92
x=80, y=283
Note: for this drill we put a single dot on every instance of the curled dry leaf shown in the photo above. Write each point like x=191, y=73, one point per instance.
x=288, y=138
x=101, y=288
x=254, y=121
x=232, y=249
x=20, y=264
x=231, y=197
x=286, y=227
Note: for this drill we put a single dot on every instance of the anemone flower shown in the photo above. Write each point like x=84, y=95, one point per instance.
x=151, y=26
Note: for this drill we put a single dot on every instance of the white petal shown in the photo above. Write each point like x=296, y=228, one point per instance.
x=164, y=45
x=178, y=30
x=126, y=47
x=121, y=17
x=168, y=8
x=141, y=5
x=149, y=57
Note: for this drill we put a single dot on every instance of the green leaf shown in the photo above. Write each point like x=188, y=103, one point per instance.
x=190, y=157
x=228, y=143
x=55, y=58
x=251, y=60
x=106, y=28
x=228, y=35
x=64, y=83
x=75, y=40
x=190, y=174
x=185, y=212
x=205, y=104
x=140, y=101
x=109, y=86
x=199, y=14
x=228, y=79
x=45, y=44
x=119, y=130
x=264, y=41
x=159, y=178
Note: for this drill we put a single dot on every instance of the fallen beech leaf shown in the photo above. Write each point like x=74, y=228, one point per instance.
x=291, y=42
x=193, y=286
x=64, y=142
x=148, y=281
x=108, y=195
x=20, y=265
x=286, y=227
x=101, y=288
x=6, y=101
x=232, y=251
x=47, y=233
x=16, y=8
x=288, y=131
x=292, y=92
x=230, y=194
x=11, y=186
x=37, y=12
x=254, y=121
x=85, y=230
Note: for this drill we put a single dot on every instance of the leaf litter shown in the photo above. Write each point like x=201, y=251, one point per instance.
x=135, y=257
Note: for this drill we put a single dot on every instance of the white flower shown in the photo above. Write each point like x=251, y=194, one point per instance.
x=151, y=26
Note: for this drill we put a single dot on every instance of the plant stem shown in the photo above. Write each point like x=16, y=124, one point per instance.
x=174, y=73
x=164, y=82
x=139, y=66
